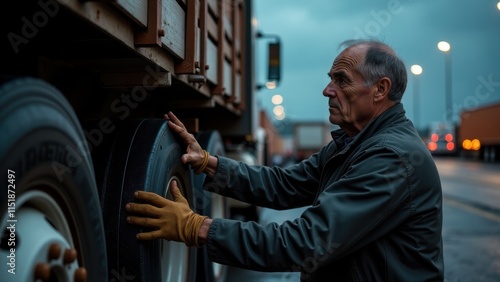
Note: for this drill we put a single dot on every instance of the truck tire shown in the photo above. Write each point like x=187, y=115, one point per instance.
x=50, y=207
x=209, y=204
x=145, y=156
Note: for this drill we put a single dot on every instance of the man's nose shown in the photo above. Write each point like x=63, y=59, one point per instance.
x=329, y=90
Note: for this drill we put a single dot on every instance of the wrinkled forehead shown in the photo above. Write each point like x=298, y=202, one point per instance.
x=350, y=58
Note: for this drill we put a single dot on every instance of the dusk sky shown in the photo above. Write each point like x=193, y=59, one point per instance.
x=311, y=31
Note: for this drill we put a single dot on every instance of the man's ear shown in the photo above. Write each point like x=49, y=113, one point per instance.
x=383, y=88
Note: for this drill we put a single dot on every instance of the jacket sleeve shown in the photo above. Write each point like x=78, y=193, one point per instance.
x=272, y=187
x=349, y=213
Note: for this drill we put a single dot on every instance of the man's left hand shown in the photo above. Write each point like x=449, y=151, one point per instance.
x=172, y=220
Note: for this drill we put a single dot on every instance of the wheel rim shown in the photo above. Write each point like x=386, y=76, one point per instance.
x=218, y=210
x=50, y=250
x=174, y=251
x=57, y=185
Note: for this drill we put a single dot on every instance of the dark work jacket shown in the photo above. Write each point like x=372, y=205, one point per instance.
x=374, y=210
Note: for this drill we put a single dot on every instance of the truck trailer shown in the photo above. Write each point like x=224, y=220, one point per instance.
x=310, y=136
x=84, y=86
x=479, y=132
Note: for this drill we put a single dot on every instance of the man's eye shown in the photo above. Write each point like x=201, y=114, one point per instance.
x=340, y=81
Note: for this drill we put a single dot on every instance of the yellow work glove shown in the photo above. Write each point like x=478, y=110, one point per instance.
x=172, y=220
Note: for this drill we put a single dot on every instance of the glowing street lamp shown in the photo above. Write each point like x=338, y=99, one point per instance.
x=271, y=85
x=446, y=48
x=498, y=5
x=416, y=70
x=277, y=99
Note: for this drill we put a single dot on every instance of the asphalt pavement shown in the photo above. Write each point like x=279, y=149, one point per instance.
x=243, y=275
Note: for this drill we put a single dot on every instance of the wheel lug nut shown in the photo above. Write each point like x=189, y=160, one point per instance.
x=42, y=271
x=69, y=256
x=54, y=251
x=81, y=274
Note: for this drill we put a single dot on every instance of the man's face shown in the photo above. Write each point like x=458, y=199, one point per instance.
x=350, y=100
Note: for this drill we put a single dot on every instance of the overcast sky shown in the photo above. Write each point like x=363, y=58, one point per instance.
x=311, y=31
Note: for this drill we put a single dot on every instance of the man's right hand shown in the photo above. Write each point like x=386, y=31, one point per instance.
x=194, y=155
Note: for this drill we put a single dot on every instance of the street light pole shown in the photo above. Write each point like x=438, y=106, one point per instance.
x=446, y=48
x=416, y=70
x=274, y=61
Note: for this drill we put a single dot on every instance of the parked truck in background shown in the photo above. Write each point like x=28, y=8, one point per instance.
x=84, y=86
x=309, y=137
x=442, y=138
x=479, y=132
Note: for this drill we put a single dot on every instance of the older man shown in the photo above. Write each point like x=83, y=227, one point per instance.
x=374, y=193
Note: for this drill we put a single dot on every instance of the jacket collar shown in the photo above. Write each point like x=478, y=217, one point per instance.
x=392, y=115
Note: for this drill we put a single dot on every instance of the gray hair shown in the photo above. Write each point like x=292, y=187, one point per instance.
x=381, y=61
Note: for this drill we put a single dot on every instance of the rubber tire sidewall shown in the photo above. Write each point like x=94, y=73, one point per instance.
x=145, y=156
x=42, y=140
